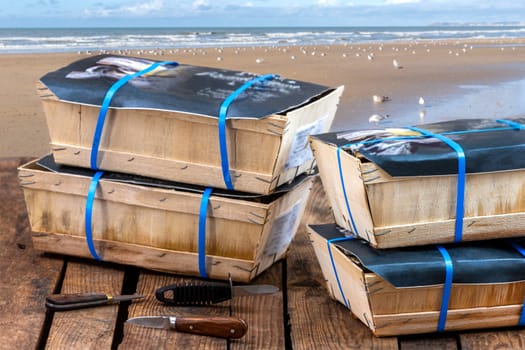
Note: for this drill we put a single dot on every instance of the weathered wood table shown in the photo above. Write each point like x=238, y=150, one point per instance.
x=301, y=316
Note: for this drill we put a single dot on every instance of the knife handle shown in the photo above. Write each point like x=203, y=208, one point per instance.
x=194, y=294
x=222, y=327
x=60, y=302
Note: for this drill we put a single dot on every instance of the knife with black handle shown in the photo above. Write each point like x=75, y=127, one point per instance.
x=65, y=302
x=206, y=293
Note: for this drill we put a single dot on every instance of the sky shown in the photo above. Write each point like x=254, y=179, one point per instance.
x=255, y=13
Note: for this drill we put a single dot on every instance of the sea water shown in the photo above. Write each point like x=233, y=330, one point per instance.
x=20, y=40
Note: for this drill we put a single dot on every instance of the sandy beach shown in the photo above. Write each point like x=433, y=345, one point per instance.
x=457, y=79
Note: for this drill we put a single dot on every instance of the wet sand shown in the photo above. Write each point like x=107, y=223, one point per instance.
x=457, y=79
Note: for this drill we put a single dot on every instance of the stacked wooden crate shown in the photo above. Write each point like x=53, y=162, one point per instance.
x=152, y=131
x=416, y=196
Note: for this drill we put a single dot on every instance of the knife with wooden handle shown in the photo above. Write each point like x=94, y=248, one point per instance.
x=222, y=327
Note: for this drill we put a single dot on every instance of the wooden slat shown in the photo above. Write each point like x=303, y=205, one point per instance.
x=502, y=339
x=263, y=314
x=90, y=328
x=142, y=338
x=317, y=322
x=26, y=278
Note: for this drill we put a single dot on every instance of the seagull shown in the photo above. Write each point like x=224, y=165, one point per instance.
x=376, y=118
x=380, y=99
x=421, y=101
x=259, y=60
x=396, y=64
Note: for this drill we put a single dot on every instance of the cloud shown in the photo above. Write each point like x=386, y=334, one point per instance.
x=136, y=9
x=399, y=2
x=48, y=2
x=143, y=8
x=201, y=5
x=327, y=3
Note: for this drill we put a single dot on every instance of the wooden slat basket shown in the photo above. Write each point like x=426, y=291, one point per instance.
x=157, y=227
x=182, y=144
x=390, y=310
x=404, y=210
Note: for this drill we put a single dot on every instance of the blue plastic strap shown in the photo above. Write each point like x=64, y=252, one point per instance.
x=223, y=111
x=89, y=214
x=330, y=241
x=460, y=196
x=343, y=187
x=512, y=124
x=202, y=231
x=520, y=249
x=449, y=271
x=105, y=105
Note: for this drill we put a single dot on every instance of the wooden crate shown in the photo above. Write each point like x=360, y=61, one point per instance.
x=388, y=310
x=395, y=211
x=157, y=228
x=182, y=146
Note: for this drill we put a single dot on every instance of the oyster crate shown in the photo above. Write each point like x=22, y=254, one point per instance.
x=395, y=187
x=154, y=224
x=164, y=124
x=401, y=291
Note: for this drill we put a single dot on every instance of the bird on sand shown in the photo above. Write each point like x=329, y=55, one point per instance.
x=376, y=118
x=421, y=101
x=380, y=99
x=396, y=64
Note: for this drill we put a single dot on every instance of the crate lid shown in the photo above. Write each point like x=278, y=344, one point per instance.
x=495, y=261
x=489, y=145
x=176, y=87
x=48, y=162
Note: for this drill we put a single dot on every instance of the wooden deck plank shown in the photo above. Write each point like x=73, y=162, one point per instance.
x=446, y=342
x=141, y=338
x=26, y=277
x=491, y=339
x=317, y=322
x=90, y=328
x=263, y=314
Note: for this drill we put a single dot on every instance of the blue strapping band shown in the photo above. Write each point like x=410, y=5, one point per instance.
x=520, y=249
x=341, y=177
x=449, y=271
x=202, y=231
x=96, y=144
x=460, y=196
x=225, y=164
x=330, y=241
x=89, y=214
x=105, y=105
x=512, y=124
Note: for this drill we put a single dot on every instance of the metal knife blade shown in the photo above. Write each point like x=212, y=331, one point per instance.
x=253, y=289
x=222, y=327
x=206, y=292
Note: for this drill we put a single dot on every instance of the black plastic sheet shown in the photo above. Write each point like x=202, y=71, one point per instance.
x=180, y=88
x=501, y=148
x=494, y=261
